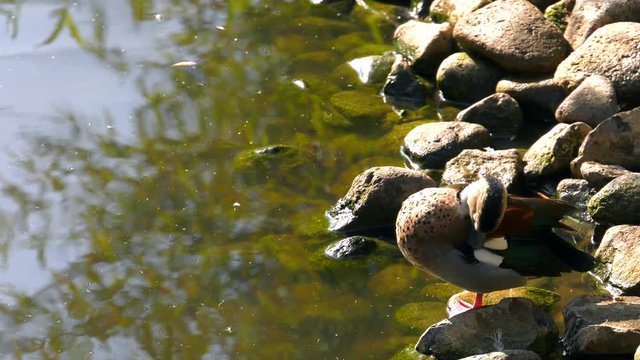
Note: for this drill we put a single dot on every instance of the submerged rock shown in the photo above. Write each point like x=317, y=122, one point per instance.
x=552, y=153
x=419, y=315
x=538, y=97
x=513, y=323
x=350, y=247
x=589, y=15
x=514, y=34
x=374, y=199
x=576, y=192
x=277, y=162
x=611, y=51
x=424, y=44
x=506, y=355
x=599, y=327
x=373, y=69
x=506, y=165
x=452, y=10
x=598, y=175
x=432, y=145
x=618, y=254
x=614, y=142
x=360, y=107
x=499, y=113
x=465, y=78
x=618, y=202
x=593, y=101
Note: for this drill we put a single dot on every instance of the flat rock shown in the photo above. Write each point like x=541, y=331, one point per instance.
x=611, y=51
x=552, y=153
x=514, y=34
x=506, y=355
x=613, y=142
x=589, y=15
x=618, y=202
x=350, y=247
x=374, y=199
x=451, y=10
x=465, y=78
x=514, y=323
x=598, y=175
x=593, y=101
x=431, y=145
x=618, y=255
x=576, y=192
x=538, y=97
x=598, y=327
x=499, y=113
x=506, y=165
x=424, y=44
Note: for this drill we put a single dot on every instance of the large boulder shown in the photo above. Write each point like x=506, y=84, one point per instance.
x=451, y=10
x=425, y=44
x=430, y=146
x=613, y=142
x=465, y=78
x=618, y=202
x=618, y=254
x=514, y=323
x=593, y=101
x=374, y=199
x=601, y=327
x=598, y=175
x=611, y=51
x=539, y=97
x=499, y=113
x=466, y=168
x=514, y=34
x=589, y=15
x=552, y=153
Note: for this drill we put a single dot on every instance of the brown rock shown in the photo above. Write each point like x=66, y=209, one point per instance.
x=589, y=15
x=618, y=253
x=425, y=44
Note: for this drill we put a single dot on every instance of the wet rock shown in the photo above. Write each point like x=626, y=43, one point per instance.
x=506, y=165
x=613, y=142
x=610, y=51
x=618, y=255
x=499, y=113
x=540, y=297
x=353, y=246
x=589, y=15
x=591, y=102
x=514, y=34
x=598, y=175
x=424, y=44
x=506, y=355
x=374, y=199
x=538, y=97
x=373, y=69
x=598, y=327
x=553, y=152
x=576, y=192
x=514, y=323
x=360, y=107
x=465, y=78
x=432, y=145
x=618, y=202
x=559, y=12
x=452, y=10
x=276, y=162
x=409, y=353
x=403, y=88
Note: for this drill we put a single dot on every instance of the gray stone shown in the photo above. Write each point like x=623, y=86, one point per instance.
x=350, y=247
x=403, y=88
x=466, y=78
x=499, y=113
x=514, y=34
x=425, y=44
x=465, y=168
x=553, y=152
x=593, y=101
x=611, y=51
x=451, y=10
x=514, y=323
x=598, y=175
x=613, y=142
x=374, y=199
x=618, y=202
x=618, y=255
x=589, y=15
x=559, y=12
x=430, y=146
x=599, y=327
x=373, y=69
x=576, y=192
x=506, y=355
x=538, y=97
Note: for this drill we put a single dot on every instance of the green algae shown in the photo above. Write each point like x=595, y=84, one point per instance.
x=540, y=297
x=418, y=316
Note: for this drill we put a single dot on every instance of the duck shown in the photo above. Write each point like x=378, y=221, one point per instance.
x=482, y=239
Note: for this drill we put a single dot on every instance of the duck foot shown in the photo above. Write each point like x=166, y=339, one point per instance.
x=456, y=306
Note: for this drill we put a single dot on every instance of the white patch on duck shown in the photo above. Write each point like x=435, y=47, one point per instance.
x=499, y=243
x=487, y=257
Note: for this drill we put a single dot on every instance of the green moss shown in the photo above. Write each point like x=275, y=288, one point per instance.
x=557, y=14
x=344, y=76
x=383, y=254
x=438, y=17
x=274, y=162
x=540, y=297
x=395, y=280
x=420, y=315
x=360, y=107
x=441, y=291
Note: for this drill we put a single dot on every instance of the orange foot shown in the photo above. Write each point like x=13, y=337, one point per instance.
x=456, y=306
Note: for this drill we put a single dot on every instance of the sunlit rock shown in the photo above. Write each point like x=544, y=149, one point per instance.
x=465, y=78
x=618, y=254
x=589, y=15
x=576, y=192
x=618, y=202
x=592, y=102
x=598, y=175
x=424, y=44
x=506, y=355
x=452, y=10
x=506, y=165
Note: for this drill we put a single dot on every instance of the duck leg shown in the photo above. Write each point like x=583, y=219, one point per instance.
x=478, y=302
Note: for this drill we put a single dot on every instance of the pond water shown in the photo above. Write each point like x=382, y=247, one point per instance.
x=131, y=224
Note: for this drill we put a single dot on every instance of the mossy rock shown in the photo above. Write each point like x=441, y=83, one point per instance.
x=282, y=162
x=409, y=353
x=440, y=291
x=382, y=254
x=618, y=202
x=344, y=76
x=360, y=107
x=558, y=14
x=420, y=315
x=541, y=297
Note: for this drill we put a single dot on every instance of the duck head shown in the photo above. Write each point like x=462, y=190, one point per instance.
x=486, y=202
